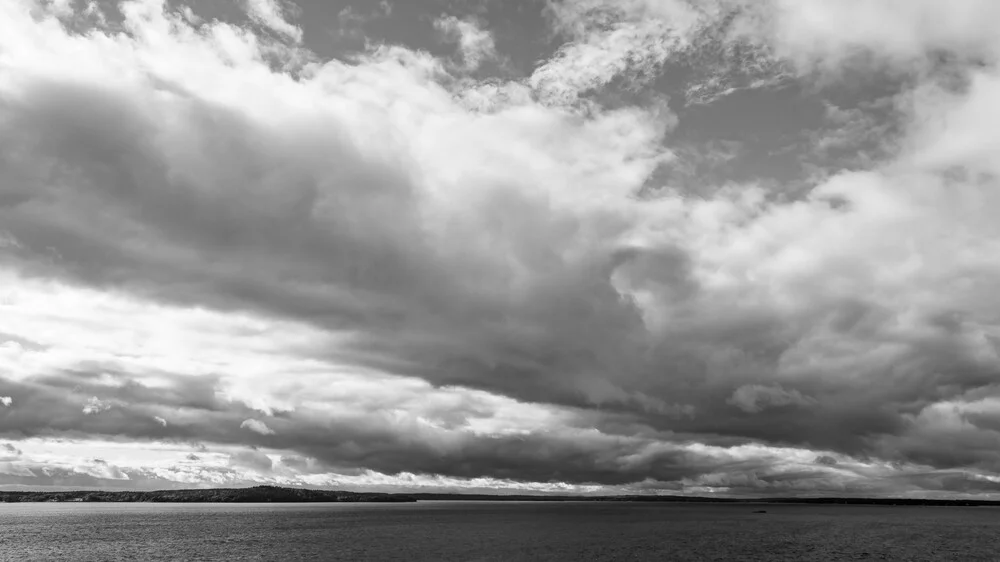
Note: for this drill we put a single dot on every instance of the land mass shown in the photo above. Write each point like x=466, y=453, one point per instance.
x=275, y=494
x=256, y=494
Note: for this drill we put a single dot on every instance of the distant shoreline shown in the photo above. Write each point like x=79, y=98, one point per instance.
x=256, y=494
x=275, y=494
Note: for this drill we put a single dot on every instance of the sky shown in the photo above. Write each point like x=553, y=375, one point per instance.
x=731, y=247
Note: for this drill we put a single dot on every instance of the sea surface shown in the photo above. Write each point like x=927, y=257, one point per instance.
x=488, y=531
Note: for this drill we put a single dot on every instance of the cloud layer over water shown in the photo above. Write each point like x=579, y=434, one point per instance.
x=225, y=259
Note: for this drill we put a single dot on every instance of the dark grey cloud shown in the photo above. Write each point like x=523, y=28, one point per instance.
x=826, y=460
x=616, y=456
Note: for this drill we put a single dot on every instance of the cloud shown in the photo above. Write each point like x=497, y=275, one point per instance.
x=753, y=398
x=421, y=279
x=252, y=460
x=728, y=46
x=898, y=32
x=95, y=406
x=101, y=469
x=271, y=15
x=826, y=460
x=6, y=401
x=612, y=41
x=257, y=426
x=474, y=43
x=349, y=32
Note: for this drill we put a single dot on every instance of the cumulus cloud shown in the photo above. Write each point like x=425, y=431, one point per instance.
x=100, y=468
x=6, y=401
x=423, y=279
x=826, y=34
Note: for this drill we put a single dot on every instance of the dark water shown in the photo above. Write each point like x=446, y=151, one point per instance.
x=481, y=531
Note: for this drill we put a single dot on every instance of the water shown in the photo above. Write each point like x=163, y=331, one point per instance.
x=485, y=531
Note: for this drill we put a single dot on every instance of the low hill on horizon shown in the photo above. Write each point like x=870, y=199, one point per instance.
x=255, y=494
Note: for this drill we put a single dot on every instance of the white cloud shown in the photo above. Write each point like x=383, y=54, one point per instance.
x=257, y=426
x=736, y=44
x=901, y=31
x=95, y=406
x=6, y=401
x=474, y=43
x=99, y=468
x=627, y=41
x=62, y=8
x=272, y=15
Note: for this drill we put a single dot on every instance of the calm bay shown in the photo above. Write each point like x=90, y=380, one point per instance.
x=488, y=531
